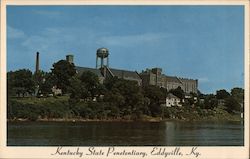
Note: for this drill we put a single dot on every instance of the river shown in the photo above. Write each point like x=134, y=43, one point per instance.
x=169, y=133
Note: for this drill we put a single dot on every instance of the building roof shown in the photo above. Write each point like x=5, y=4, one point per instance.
x=170, y=95
x=125, y=74
x=80, y=70
x=172, y=79
x=186, y=79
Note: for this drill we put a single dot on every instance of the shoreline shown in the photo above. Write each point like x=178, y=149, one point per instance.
x=118, y=120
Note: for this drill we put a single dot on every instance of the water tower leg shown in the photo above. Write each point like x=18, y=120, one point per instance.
x=96, y=62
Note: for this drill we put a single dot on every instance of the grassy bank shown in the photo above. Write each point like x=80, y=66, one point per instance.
x=58, y=109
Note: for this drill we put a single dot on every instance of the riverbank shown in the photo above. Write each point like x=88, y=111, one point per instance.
x=58, y=109
x=147, y=119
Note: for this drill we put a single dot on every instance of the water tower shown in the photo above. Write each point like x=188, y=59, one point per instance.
x=102, y=55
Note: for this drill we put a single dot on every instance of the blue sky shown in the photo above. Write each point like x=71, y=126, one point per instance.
x=199, y=42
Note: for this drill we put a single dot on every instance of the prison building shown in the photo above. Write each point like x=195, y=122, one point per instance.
x=155, y=77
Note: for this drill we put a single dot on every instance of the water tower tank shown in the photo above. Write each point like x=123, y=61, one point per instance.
x=102, y=52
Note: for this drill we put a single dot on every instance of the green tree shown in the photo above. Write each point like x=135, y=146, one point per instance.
x=20, y=82
x=222, y=94
x=47, y=84
x=155, y=96
x=77, y=90
x=91, y=82
x=115, y=98
x=238, y=94
x=39, y=77
x=63, y=71
x=210, y=101
x=178, y=92
x=109, y=82
x=232, y=105
x=126, y=95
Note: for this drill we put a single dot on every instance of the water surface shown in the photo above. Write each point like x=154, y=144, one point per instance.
x=170, y=133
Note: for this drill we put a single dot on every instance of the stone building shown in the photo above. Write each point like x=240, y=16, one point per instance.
x=152, y=76
x=106, y=72
x=155, y=77
x=103, y=70
x=123, y=74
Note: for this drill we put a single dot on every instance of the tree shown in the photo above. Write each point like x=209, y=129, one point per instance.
x=232, y=105
x=178, y=92
x=77, y=90
x=238, y=94
x=126, y=95
x=155, y=96
x=210, y=101
x=115, y=98
x=222, y=94
x=20, y=82
x=39, y=77
x=47, y=84
x=109, y=82
x=11, y=83
x=63, y=71
x=154, y=93
x=91, y=82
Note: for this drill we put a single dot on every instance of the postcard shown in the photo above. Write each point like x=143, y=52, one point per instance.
x=124, y=79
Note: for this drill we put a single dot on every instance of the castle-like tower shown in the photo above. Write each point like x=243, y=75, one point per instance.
x=70, y=58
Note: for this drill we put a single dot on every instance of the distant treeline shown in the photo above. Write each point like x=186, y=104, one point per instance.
x=85, y=97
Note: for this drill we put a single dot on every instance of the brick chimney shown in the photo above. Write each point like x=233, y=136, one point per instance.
x=37, y=62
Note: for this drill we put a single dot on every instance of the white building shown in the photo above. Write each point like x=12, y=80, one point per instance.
x=56, y=91
x=172, y=100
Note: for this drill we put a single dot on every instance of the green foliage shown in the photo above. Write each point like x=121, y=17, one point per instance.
x=116, y=98
x=39, y=77
x=166, y=112
x=91, y=83
x=178, y=92
x=20, y=82
x=48, y=82
x=127, y=95
x=222, y=94
x=232, y=105
x=210, y=101
x=33, y=111
x=63, y=71
x=77, y=90
x=238, y=94
x=155, y=96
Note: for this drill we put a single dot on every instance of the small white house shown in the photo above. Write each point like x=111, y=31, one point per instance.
x=56, y=91
x=172, y=100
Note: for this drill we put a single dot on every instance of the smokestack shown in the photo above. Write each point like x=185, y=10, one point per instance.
x=37, y=62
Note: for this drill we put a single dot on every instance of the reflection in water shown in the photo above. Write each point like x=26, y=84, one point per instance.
x=204, y=133
x=170, y=133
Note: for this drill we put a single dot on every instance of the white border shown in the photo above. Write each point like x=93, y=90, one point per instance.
x=45, y=152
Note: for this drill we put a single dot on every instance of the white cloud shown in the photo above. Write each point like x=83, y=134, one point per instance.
x=38, y=42
x=53, y=40
x=203, y=80
x=132, y=39
x=14, y=33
